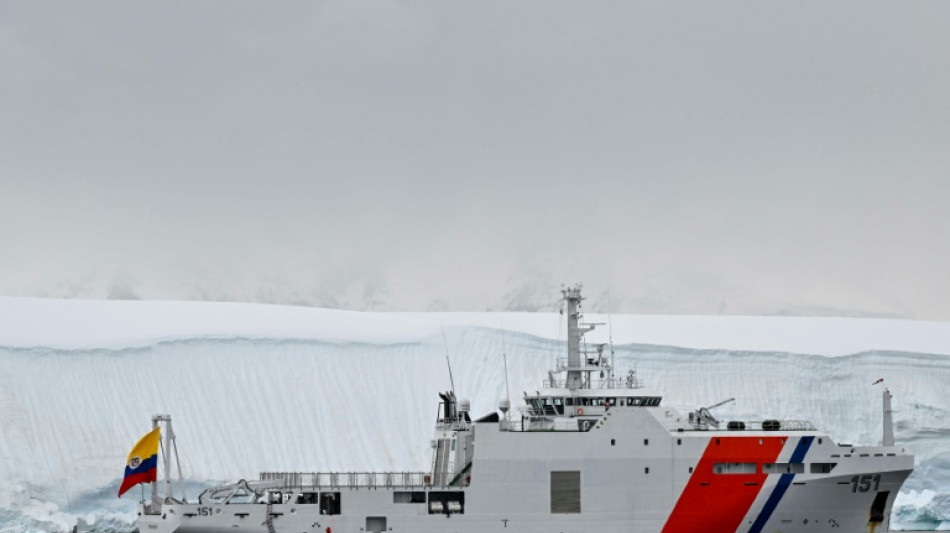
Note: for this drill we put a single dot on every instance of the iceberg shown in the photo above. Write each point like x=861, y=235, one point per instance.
x=272, y=388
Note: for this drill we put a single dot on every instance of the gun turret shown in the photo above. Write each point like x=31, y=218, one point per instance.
x=703, y=417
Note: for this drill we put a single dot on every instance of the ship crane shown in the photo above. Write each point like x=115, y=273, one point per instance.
x=703, y=416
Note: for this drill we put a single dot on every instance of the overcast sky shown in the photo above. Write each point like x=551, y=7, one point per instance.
x=705, y=157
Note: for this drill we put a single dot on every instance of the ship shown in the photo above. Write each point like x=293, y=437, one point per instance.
x=590, y=451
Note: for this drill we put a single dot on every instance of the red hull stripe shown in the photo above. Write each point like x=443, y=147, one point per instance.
x=717, y=503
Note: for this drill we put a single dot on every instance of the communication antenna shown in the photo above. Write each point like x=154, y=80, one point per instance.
x=560, y=313
x=610, y=334
x=447, y=362
x=504, y=355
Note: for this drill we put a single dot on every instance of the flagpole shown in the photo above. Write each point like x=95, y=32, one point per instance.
x=155, y=420
x=168, y=457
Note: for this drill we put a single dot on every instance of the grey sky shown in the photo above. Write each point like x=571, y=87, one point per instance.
x=737, y=157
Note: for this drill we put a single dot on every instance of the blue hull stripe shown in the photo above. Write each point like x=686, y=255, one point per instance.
x=783, y=483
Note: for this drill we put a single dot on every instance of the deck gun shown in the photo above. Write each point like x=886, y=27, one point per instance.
x=703, y=418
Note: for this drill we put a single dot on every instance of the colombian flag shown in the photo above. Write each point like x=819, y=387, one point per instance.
x=142, y=466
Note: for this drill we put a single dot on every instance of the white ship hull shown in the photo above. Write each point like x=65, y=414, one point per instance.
x=667, y=484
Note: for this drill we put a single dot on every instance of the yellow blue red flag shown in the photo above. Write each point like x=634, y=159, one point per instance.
x=142, y=465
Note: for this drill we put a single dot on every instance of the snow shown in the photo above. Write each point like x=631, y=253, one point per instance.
x=255, y=387
x=85, y=324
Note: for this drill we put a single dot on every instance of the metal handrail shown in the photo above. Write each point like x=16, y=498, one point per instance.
x=547, y=424
x=622, y=383
x=758, y=425
x=796, y=425
x=324, y=480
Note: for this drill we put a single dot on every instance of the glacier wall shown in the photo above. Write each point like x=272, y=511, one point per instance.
x=69, y=416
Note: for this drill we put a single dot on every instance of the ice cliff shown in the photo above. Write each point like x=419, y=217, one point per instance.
x=256, y=387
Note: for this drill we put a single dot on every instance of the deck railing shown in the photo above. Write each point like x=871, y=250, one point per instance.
x=328, y=480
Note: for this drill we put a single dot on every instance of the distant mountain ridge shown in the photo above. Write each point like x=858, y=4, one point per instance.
x=517, y=295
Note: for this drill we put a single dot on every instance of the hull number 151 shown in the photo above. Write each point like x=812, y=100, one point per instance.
x=864, y=483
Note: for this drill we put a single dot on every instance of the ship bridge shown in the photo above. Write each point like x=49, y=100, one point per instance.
x=582, y=386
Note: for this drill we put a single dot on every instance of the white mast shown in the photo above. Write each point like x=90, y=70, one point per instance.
x=167, y=459
x=572, y=295
x=888, y=438
x=155, y=420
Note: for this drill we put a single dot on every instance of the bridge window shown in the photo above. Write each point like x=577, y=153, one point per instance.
x=535, y=406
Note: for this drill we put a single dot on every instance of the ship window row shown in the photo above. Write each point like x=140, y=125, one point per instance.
x=772, y=468
x=608, y=401
x=415, y=496
x=329, y=502
x=556, y=405
x=440, y=502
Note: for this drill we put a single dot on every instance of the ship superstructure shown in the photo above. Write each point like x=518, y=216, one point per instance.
x=589, y=451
